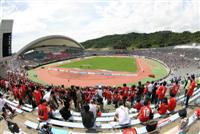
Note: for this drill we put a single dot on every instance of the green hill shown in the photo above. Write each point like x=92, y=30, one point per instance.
x=143, y=40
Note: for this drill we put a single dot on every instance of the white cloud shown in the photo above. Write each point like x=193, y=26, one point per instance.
x=87, y=19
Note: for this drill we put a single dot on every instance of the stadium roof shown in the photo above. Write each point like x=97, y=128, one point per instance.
x=52, y=40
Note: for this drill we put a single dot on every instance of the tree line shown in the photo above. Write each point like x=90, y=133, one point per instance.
x=143, y=40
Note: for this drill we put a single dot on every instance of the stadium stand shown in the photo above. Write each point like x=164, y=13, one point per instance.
x=180, y=61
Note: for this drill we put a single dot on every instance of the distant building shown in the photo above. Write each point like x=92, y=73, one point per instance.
x=6, y=37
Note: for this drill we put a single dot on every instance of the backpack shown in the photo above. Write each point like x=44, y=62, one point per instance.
x=151, y=126
x=13, y=127
x=182, y=113
x=65, y=113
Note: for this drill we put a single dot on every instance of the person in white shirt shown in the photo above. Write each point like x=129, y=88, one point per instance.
x=93, y=108
x=122, y=115
x=47, y=95
x=150, y=87
x=100, y=91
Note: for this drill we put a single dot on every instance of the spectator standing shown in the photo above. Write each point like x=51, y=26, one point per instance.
x=187, y=84
x=175, y=88
x=93, y=108
x=190, y=89
x=47, y=94
x=38, y=96
x=161, y=91
x=79, y=99
x=125, y=91
x=132, y=95
x=154, y=97
x=53, y=102
x=140, y=88
x=65, y=111
x=150, y=88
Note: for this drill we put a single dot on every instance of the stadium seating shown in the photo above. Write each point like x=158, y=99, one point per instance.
x=15, y=105
x=112, y=125
x=176, y=129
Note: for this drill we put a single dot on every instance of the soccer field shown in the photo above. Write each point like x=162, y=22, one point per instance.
x=123, y=64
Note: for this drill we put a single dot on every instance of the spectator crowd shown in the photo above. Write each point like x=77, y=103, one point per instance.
x=90, y=100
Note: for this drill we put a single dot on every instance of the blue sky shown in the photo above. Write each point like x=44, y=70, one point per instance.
x=87, y=19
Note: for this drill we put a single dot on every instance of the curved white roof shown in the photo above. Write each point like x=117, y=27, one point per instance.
x=51, y=40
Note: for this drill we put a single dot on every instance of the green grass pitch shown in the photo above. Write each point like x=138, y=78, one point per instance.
x=123, y=64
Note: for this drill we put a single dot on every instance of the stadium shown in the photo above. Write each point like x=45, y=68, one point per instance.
x=134, y=83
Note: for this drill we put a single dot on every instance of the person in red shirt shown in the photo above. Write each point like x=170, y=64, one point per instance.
x=38, y=96
x=125, y=91
x=16, y=92
x=43, y=112
x=109, y=97
x=190, y=90
x=132, y=95
x=24, y=90
x=198, y=113
x=145, y=112
x=175, y=88
x=115, y=99
x=162, y=109
x=172, y=103
x=146, y=88
x=138, y=104
x=87, y=97
x=161, y=91
x=2, y=84
x=21, y=97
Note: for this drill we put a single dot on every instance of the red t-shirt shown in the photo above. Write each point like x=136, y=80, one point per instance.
x=21, y=93
x=43, y=112
x=172, y=104
x=109, y=95
x=132, y=93
x=191, y=88
x=120, y=97
x=87, y=97
x=161, y=92
x=137, y=106
x=37, y=96
x=145, y=90
x=198, y=112
x=162, y=108
x=125, y=91
x=16, y=92
x=144, y=113
x=2, y=83
x=115, y=97
x=24, y=90
x=175, y=89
